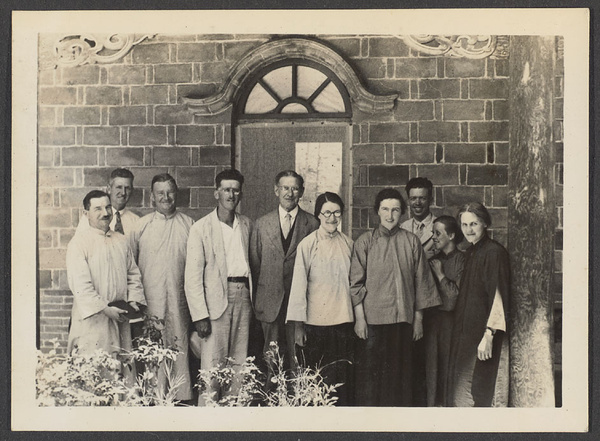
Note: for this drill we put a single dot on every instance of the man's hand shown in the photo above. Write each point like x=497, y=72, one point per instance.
x=484, y=350
x=436, y=267
x=361, y=329
x=134, y=305
x=114, y=313
x=418, y=326
x=203, y=327
x=299, y=334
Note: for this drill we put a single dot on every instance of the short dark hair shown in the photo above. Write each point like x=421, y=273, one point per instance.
x=121, y=173
x=163, y=177
x=327, y=197
x=290, y=173
x=94, y=194
x=452, y=227
x=478, y=209
x=389, y=193
x=230, y=174
x=419, y=183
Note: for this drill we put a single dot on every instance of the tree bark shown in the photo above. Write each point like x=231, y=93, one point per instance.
x=531, y=219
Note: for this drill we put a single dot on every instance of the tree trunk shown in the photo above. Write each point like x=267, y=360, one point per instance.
x=531, y=219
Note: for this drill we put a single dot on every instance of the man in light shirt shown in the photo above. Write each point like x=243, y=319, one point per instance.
x=217, y=282
x=420, y=196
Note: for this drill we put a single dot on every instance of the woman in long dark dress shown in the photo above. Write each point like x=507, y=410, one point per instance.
x=479, y=349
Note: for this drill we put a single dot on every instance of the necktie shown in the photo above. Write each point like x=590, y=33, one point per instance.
x=287, y=225
x=420, y=229
x=118, y=224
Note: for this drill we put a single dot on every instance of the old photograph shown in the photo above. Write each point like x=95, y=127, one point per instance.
x=339, y=213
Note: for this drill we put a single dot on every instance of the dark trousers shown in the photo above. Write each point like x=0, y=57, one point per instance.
x=383, y=369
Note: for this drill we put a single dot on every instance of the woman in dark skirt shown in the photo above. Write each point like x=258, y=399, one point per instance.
x=320, y=305
x=479, y=348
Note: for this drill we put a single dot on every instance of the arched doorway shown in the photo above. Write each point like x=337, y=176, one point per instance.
x=293, y=114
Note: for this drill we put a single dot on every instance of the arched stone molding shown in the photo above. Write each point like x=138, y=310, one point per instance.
x=274, y=51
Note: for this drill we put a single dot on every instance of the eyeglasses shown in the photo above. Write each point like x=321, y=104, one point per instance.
x=235, y=191
x=286, y=188
x=327, y=214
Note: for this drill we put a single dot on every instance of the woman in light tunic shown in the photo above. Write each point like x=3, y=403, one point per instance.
x=320, y=305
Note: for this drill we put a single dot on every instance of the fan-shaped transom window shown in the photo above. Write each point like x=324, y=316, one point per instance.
x=294, y=89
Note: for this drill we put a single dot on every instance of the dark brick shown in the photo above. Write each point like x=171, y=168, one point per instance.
x=501, y=152
x=500, y=196
x=389, y=132
x=501, y=68
x=439, y=174
x=499, y=217
x=196, y=176
x=215, y=155
x=387, y=47
x=130, y=115
x=149, y=94
x=463, y=110
x=125, y=74
x=106, y=95
x=149, y=135
x=365, y=196
x=45, y=156
x=196, y=52
x=178, y=114
x=371, y=68
x=348, y=47
x=97, y=176
x=368, y=154
x=66, y=234
x=183, y=197
x=44, y=238
x=84, y=116
x=434, y=89
x=206, y=197
x=413, y=153
x=124, y=156
x=236, y=50
x=171, y=156
x=488, y=131
x=389, y=86
x=464, y=68
x=457, y=196
x=558, y=108
x=194, y=135
x=413, y=110
x=173, y=73
x=81, y=75
x=101, y=136
x=215, y=72
x=150, y=53
x=438, y=131
x=80, y=156
x=57, y=95
x=464, y=153
x=416, y=68
x=559, y=151
x=143, y=178
x=46, y=116
x=388, y=175
x=45, y=278
x=56, y=135
x=485, y=88
x=487, y=175
x=500, y=110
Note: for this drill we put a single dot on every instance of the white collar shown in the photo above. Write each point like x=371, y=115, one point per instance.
x=283, y=213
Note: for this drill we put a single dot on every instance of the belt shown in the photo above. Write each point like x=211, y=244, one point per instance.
x=238, y=280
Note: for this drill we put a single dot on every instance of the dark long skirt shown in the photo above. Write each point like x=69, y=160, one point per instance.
x=331, y=349
x=383, y=368
x=437, y=336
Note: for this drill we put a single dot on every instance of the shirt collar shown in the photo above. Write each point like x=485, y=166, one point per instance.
x=292, y=213
x=425, y=222
x=162, y=216
x=322, y=234
x=385, y=232
x=236, y=222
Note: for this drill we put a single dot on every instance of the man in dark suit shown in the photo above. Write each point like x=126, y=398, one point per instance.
x=272, y=254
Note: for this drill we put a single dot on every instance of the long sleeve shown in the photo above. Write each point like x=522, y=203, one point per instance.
x=358, y=271
x=79, y=277
x=449, y=286
x=496, y=267
x=426, y=293
x=194, y=276
x=255, y=255
x=135, y=290
x=297, y=306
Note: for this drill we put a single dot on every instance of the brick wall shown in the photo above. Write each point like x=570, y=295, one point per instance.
x=450, y=124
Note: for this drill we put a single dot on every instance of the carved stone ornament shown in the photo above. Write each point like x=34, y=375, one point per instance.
x=287, y=48
x=459, y=46
x=80, y=49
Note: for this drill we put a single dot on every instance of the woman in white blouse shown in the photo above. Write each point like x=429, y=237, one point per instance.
x=320, y=305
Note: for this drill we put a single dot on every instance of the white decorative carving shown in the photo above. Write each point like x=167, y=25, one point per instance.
x=79, y=49
x=460, y=46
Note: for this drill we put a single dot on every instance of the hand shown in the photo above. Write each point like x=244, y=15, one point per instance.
x=484, y=350
x=299, y=334
x=417, y=330
x=361, y=329
x=203, y=327
x=436, y=267
x=114, y=313
x=134, y=305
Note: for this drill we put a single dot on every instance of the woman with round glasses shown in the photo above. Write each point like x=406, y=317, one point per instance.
x=320, y=305
x=479, y=349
